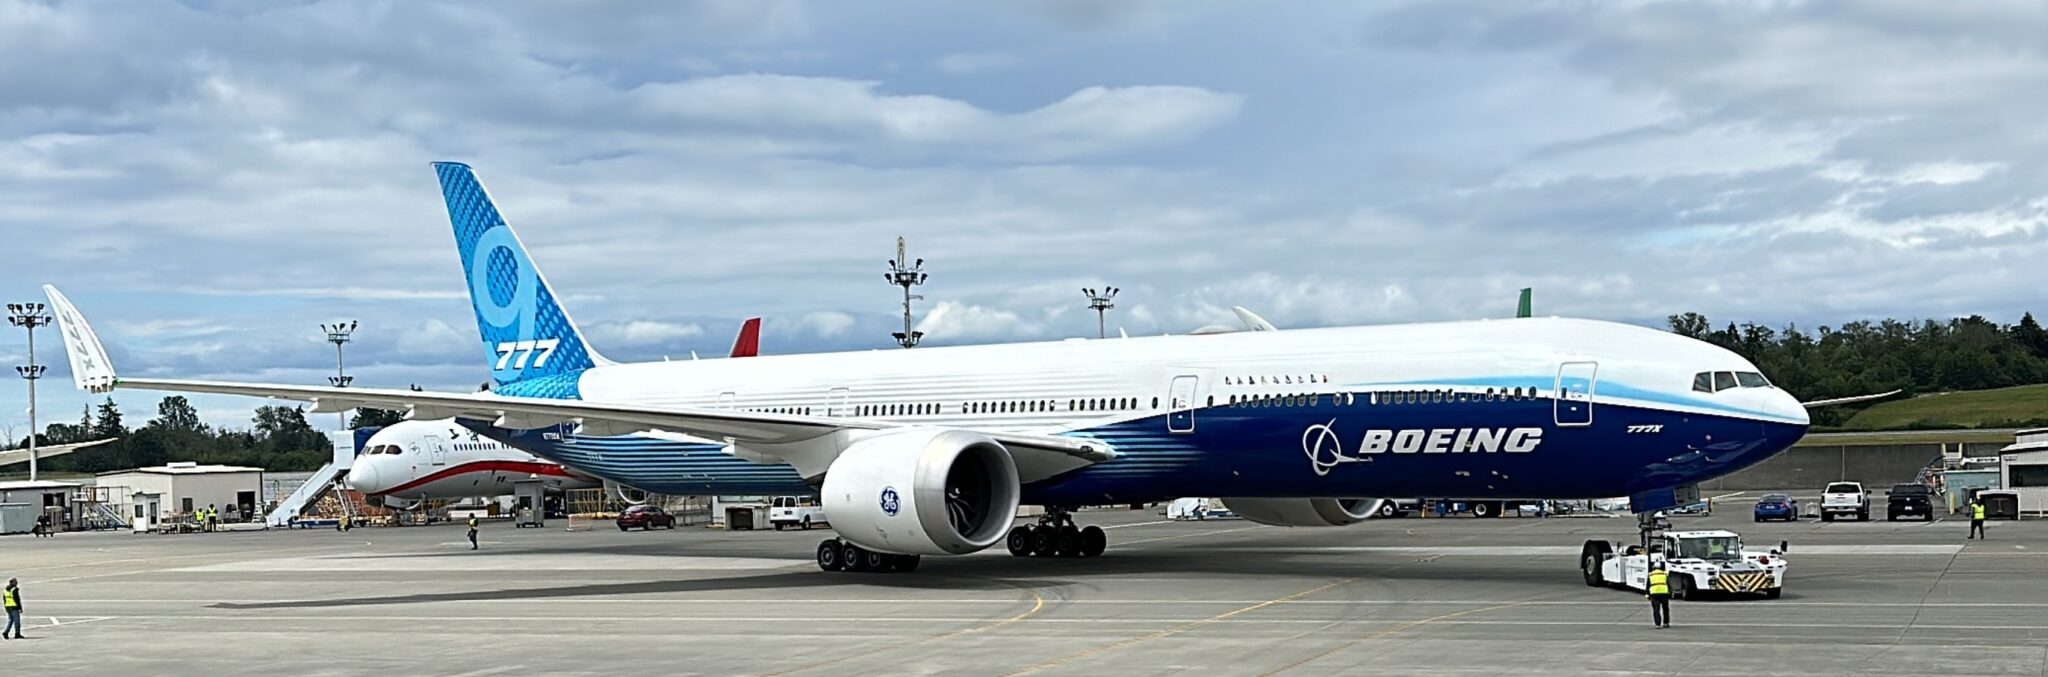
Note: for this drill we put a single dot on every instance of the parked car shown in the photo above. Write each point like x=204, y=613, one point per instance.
x=645, y=517
x=1843, y=499
x=1909, y=500
x=796, y=511
x=1777, y=507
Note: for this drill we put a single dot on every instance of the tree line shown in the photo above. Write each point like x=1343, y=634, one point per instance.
x=1865, y=357
x=279, y=439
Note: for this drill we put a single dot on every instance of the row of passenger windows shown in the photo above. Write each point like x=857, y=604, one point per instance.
x=1716, y=381
x=1397, y=397
x=991, y=407
x=394, y=450
x=1282, y=379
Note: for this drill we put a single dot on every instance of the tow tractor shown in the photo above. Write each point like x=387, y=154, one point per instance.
x=1698, y=561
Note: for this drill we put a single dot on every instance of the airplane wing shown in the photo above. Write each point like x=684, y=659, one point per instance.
x=809, y=443
x=1846, y=400
x=45, y=451
x=1251, y=320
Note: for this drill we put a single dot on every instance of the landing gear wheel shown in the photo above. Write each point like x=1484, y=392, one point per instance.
x=1067, y=542
x=1020, y=541
x=1388, y=511
x=828, y=556
x=1094, y=541
x=1042, y=542
x=1591, y=557
x=1484, y=509
x=908, y=563
x=855, y=557
x=881, y=562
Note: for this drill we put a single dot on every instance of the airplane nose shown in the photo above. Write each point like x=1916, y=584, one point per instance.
x=363, y=477
x=1790, y=408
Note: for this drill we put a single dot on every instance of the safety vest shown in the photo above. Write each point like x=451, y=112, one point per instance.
x=12, y=602
x=1660, y=583
x=1976, y=511
x=472, y=524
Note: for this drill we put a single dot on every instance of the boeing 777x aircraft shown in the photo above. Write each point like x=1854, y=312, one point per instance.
x=930, y=451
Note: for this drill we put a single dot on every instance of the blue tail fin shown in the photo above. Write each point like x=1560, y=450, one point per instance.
x=527, y=337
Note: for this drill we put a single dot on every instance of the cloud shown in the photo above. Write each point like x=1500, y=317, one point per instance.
x=839, y=113
x=213, y=180
x=969, y=63
x=643, y=332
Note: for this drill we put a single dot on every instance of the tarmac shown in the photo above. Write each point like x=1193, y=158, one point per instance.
x=1410, y=596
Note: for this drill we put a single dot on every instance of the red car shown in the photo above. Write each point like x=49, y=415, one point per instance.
x=645, y=517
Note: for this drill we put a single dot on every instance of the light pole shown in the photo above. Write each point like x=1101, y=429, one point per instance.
x=338, y=334
x=29, y=316
x=1100, y=303
x=903, y=273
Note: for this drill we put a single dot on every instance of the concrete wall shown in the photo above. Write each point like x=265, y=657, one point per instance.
x=1876, y=466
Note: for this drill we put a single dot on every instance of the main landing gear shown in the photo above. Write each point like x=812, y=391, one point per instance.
x=1056, y=536
x=838, y=555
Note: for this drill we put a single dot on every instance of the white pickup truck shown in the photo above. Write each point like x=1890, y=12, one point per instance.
x=1698, y=561
x=795, y=511
x=1842, y=499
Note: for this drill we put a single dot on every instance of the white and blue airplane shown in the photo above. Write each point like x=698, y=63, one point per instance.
x=931, y=451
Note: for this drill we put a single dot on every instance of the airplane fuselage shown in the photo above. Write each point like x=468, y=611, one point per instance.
x=1512, y=408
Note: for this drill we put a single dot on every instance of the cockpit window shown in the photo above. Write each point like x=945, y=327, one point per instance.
x=1703, y=382
x=1724, y=380
x=1750, y=379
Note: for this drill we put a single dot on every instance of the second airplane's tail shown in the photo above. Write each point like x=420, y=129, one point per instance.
x=526, y=334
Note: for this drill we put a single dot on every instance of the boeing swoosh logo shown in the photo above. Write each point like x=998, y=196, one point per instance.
x=1324, y=450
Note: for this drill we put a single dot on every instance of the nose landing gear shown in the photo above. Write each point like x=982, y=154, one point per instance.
x=1056, y=536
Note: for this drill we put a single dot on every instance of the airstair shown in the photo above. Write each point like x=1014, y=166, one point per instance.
x=344, y=446
x=289, y=508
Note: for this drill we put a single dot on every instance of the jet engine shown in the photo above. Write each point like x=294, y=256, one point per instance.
x=922, y=492
x=1305, y=512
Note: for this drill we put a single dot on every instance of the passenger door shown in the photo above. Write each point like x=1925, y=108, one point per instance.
x=1574, y=393
x=835, y=402
x=1180, y=405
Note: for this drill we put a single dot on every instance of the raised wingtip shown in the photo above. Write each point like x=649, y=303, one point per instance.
x=90, y=368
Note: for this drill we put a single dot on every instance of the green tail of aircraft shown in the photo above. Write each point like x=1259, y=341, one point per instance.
x=1522, y=310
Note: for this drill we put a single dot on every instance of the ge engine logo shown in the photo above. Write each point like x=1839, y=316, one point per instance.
x=891, y=503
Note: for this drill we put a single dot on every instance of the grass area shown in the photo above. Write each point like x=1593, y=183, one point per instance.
x=1894, y=437
x=2015, y=407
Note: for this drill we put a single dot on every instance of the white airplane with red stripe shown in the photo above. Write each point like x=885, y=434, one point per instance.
x=413, y=461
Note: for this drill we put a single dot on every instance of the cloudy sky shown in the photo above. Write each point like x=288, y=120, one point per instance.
x=212, y=180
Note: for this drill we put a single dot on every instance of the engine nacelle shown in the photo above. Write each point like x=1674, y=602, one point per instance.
x=1305, y=512
x=922, y=492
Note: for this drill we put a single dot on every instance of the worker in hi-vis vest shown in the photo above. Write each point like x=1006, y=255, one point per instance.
x=1660, y=596
x=1976, y=519
x=472, y=532
x=10, y=597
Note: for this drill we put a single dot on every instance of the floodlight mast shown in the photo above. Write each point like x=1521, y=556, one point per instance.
x=1100, y=303
x=906, y=274
x=339, y=334
x=30, y=316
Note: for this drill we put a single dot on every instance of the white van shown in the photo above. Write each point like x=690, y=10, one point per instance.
x=793, y=511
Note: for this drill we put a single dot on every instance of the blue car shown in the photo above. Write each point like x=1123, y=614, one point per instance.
x=1777, y=507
